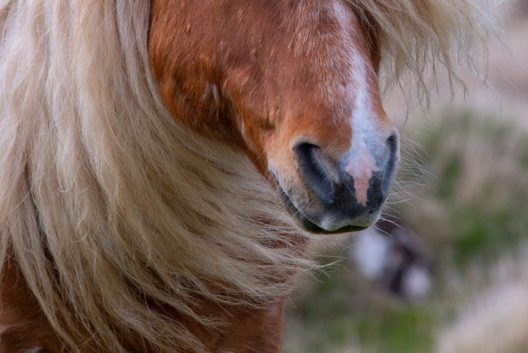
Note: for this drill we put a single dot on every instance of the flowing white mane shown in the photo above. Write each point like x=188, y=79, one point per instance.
x=106, y=202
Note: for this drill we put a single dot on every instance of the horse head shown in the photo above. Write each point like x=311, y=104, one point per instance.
x=293, y=84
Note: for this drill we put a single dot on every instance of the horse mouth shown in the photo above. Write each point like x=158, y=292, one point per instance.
x=308, y=225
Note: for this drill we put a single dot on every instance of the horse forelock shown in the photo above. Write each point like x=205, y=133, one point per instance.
x=423, y=40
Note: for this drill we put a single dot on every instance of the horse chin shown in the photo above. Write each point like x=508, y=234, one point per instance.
x=309, y=226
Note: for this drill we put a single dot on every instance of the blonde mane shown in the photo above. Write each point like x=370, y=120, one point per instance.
x=107, y=203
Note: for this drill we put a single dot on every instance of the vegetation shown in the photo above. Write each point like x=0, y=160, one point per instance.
x=469, y=186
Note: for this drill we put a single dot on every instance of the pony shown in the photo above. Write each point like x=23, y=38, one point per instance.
x=164, y=163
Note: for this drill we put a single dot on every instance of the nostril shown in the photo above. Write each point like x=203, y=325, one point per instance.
x=392, y=142
x=317, y=172
x=390, y=166
x=375, y=191
x=375, y=183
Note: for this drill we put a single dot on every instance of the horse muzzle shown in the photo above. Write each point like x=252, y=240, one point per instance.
x=345, y=194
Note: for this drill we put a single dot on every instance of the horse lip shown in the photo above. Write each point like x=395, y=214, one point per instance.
x=308, y=225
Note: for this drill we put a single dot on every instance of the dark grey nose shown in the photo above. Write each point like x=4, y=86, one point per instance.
x=336, y=190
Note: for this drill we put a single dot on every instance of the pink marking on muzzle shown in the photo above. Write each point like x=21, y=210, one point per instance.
x=361, y=168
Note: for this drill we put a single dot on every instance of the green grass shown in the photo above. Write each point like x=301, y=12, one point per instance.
x=335, y=314
x=398, y=331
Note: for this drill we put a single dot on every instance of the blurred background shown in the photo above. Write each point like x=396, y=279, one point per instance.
x=447, y=271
